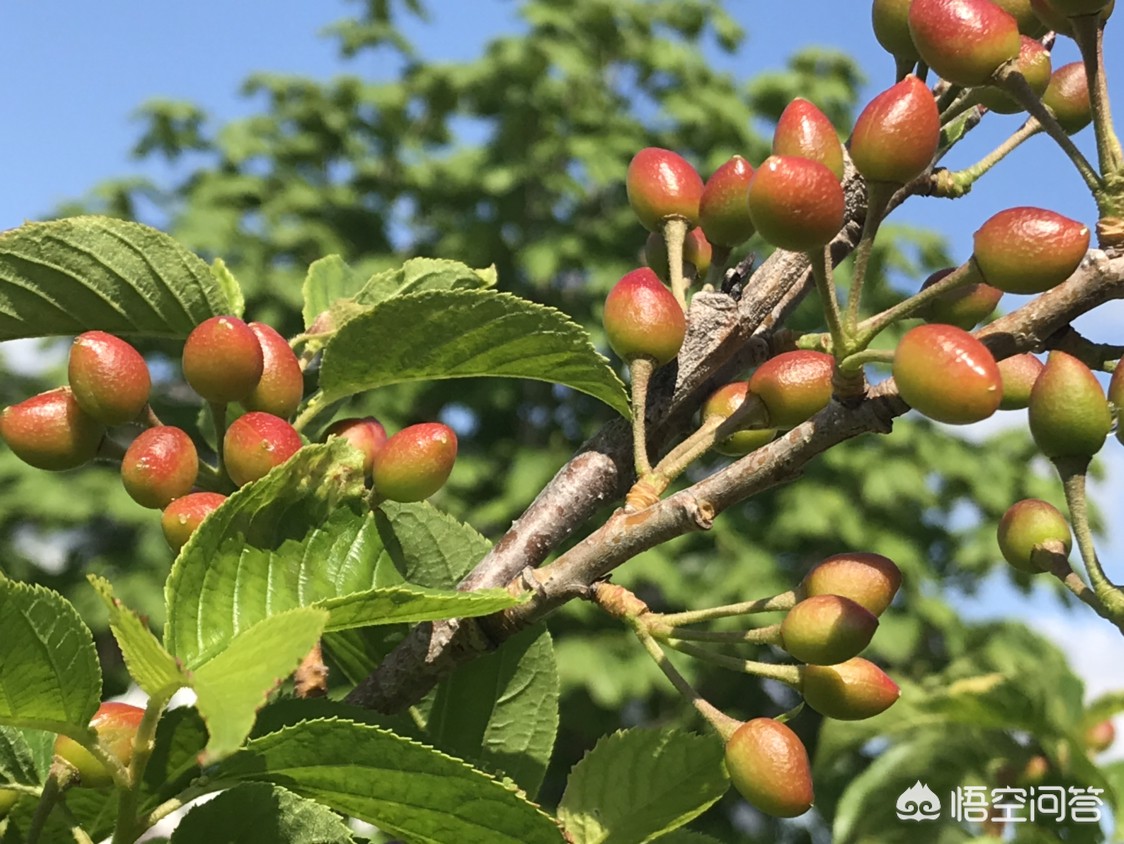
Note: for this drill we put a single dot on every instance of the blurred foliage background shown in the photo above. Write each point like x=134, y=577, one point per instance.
x=516, y=158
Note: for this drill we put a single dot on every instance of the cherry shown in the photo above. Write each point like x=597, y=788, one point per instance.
x=1023, y=13
x=281, y=386
x=947, y=374
x=964, y=41
x=891, y=28
x=1026, y=525
x=366, y=434
x=794, y=386
x=662, y=185
x=109, y=378
x=255, y=443
x=723, y=212
x=723, y=402
x=1034, y=64
x=804, y=131
x=850, y=691
x=160, y=466
x=51, y=431
x=116, y=726
x=183, y=516
x=827, y=629
x=896, y=135
x=870, y=580
x=1067, y=97
x=642, y=318
x=1029, y=250
x=1100, y=736
x=223, y=359
x=1055, y=14
x=415, y=462
x=965, y=306
x=1019, y=372
x=769, y=767
x=1068, y=412
x=795, y=204
x=8, y=798
x=1116, y=394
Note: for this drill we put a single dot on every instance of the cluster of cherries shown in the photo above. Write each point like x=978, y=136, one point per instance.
x=225, y=361
x=795, y=201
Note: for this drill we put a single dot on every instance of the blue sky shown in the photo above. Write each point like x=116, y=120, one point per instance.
x=75, y=72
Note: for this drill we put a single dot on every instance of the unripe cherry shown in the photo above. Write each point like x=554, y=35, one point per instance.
x=1099, y=737
x=109, y=378
x=1068, y=412
x=964, y=41
x=947, y=374
x=1067, y=97
x=850, y=691
x=1023, y=13
x=965, y=306
x=795, y=204
x=8, y=798
x=255, y=443
x=723, y=209
x=1026, y=525
x=804, y=131
x=868, y=579
x=794, y=386
x=183, y=516
x=415, y=462
x=769, y=767
x=661, y=185
x=1019, y=372
x=827, y=629
x=1034, y=64
x=50, y=431
x=1116, y=395
x=642, y=318
x=697, y=254
x=366, y=434
x=896, y=136
x=1029, y=250
x=723, y=402
x=116, y=726
x=222, y=359
x=281, y=386
x=159, y=466
x=891, y=27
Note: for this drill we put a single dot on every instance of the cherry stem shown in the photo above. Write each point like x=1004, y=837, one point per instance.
x=128, y=799
x=870, y=328
x=1015, y=84
x=770, y=635
x=955, y=184
x=877, y=196
x=1072, y=472
x=110, y=449
x=175, y=803
x=723, y=724
x=48, y=799
x=902, y=68
x=1089, y=35
x=218, y=417
x=1051, y=556
x=640, y=372
x=855, y=362
x=776, y=603
x=947, y=96
x=674, y=235
x=149, y=418
x=825, y=286
x=788, y=674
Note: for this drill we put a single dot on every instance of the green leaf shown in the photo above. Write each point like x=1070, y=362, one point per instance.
x=17, y=764
x=463, y=334
x=329, y=280
x=153, y=668
x=687, y=836
x=297, y=536
x=420, y=274
x=402, y=787
x=501, y=711
x=430, y=547
x=261, y=812
x=49, y=673
x=234, y=685
x=230, y=286
x=398, y=604
x=80, y=273
x=638, y=784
